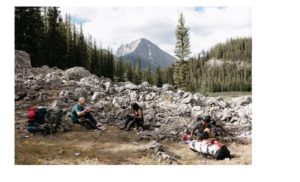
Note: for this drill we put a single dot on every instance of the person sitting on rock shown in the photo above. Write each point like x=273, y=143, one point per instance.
x=203, y=128
x=136, y=118
x=83, y=116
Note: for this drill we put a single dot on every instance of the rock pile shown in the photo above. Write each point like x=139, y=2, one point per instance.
x=166, y=110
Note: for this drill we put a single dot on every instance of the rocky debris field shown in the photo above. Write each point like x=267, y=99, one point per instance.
x=167, y=111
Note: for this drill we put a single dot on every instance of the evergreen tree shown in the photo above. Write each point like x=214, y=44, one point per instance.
x=148, y=75
x=129, y=72
x=182, y=51
x=29, y=33
x=110, y=64
x=82, y=50
x=182, y=48
x=158, y=77
x=54, y=40
x=94, y=59
x=137, y=79
x=120, y=70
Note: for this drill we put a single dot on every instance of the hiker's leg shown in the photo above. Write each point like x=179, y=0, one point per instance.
x=91, y=118
x=81, y=121
x=91, y=124
x=129, y=118
x=90, y=121
x=140, y=123
x=131, y=124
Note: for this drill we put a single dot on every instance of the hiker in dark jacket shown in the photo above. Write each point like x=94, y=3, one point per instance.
x=83, y=116
x=135, y=118
x=203, y=128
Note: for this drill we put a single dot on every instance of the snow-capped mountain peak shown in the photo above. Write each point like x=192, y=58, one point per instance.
x=147, y=52
x=127, y=48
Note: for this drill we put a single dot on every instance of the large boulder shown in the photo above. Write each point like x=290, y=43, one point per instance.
x=54, y=83
x=97, y=96
x=150, y=96
x=166, y=87
x=77, y=73
x=131, y=86
x=20, y=90
x=81, y=92
x=187, y=100
x=241, y=101
x=22, y=60
x=123, y=101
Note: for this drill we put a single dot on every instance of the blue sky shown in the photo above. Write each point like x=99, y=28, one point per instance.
x=79, y=20
x=113, y=26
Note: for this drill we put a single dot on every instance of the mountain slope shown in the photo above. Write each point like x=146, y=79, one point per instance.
x=148, y=53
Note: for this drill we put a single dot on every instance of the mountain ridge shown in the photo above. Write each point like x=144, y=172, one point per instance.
x=147, y=52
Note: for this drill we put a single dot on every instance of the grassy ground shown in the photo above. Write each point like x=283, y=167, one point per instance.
x=228, y=95
x=108, y=147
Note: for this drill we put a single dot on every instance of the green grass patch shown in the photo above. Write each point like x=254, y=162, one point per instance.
x=228, y=95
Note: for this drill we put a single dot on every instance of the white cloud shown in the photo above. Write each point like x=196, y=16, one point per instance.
x=113, y=26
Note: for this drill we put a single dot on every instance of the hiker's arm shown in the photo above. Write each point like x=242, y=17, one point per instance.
x=207, y=130
x=193, y=131
x=140, y=114
x=81, y=113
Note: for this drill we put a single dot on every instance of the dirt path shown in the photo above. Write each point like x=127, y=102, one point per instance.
x=112, y=146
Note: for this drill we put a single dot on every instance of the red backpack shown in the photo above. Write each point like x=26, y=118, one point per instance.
x=31, y=114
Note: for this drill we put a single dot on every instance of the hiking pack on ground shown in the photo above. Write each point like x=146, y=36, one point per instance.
x=43, y=120
x=210, y=148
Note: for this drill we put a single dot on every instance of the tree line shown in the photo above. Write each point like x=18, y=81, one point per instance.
x=52, y=41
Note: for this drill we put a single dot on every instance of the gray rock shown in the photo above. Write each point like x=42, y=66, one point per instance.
x=150, y=96
x=55, y=83
x=76, y=73
x=226, y=115
x=241, y=101
x=133, y=96
x=103, y=104
x=167, y=87
x=187, y=100
x=96, y=96
x=77, y=154
x=22, y=60
x=120, y=89
x=20, y=90
x=186, y=94
x=58, y=104
x=154, y=146
x=196, y=111
x=107, y=86
x=81, y=92
x=131, y=86
x=121, y=101
x=146, y=84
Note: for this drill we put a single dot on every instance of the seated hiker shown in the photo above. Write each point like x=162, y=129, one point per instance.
x=83, y=116
x=202, y=127
x=136, y=118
